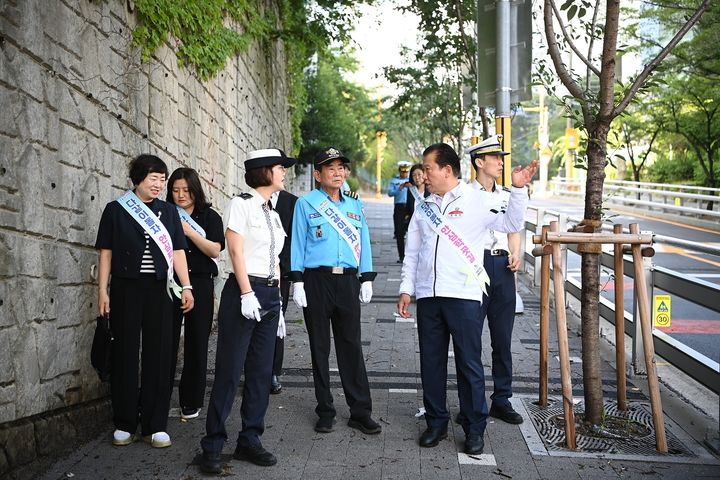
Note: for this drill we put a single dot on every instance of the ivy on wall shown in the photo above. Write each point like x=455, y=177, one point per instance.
x=209, y=32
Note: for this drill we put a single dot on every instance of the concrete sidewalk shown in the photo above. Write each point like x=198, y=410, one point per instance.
x=392, y=360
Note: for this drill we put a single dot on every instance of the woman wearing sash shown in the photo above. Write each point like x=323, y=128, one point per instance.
x=203, y=230
x=249, y=316
x=131, y=233
x=417, y=179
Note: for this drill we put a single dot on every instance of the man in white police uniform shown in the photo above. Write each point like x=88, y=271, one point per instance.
x=443, y=269
x=502, y=258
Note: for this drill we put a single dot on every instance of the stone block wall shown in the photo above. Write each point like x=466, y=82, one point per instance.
x=76, y=105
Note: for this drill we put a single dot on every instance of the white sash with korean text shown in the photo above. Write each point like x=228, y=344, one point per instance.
x=347, y=231
x=156, y=230
x=454, y=237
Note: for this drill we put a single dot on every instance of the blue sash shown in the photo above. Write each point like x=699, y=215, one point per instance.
x=185, y=216
x=156, y=230
x=347, y=231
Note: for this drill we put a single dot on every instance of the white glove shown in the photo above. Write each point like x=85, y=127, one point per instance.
x=281, y=325
x=299, y=294
x=250, y=306
x=365, y=292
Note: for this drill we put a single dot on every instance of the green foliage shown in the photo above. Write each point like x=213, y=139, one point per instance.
x=203, y=39
x=432, y=77
x=339, y=112
x=206, y=33
x=681, y=168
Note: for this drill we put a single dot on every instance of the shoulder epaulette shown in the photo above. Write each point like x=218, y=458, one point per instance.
x=506, y=189
x=351, y=194
x=245, y=195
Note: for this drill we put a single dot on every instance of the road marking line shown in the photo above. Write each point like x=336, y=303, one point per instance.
x=402, y=390
x=482, y=459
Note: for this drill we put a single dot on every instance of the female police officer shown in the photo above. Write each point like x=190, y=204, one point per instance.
x=249, y=313
x=141, y=241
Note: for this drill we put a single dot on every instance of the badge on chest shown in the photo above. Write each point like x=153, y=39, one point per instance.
x=318, y=232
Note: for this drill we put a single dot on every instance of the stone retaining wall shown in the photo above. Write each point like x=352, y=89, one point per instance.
x=75, y=106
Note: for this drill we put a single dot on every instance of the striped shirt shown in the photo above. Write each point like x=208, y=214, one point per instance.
x=147, y=265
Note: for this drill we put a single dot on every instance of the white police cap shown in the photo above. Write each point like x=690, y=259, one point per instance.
x=489, y=146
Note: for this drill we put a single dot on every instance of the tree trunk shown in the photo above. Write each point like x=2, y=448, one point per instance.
x=590, y=272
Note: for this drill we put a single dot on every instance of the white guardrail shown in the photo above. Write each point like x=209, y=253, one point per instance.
x=700, y=202
x=698, y=291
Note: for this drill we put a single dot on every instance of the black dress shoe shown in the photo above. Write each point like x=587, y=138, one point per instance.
x=474, y=444
x=366, y=425
x=325, y=425
x=432, y=436
x=506, y=414
x=210, y=463
x=255, y=454
x=275, y=386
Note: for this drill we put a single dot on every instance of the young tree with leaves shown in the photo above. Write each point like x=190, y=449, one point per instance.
x=598, y=107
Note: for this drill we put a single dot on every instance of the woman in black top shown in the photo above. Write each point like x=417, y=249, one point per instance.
x=417, y=179
x=141, y=304
x=185, y=191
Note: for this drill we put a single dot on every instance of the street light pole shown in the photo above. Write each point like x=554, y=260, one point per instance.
x=502, y=111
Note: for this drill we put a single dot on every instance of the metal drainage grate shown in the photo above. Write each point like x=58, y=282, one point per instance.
x=550, y=425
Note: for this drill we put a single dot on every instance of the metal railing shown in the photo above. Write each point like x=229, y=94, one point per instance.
x=697, y=291
x=677, y=199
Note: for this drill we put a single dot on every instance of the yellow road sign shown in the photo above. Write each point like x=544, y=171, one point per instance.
x=662, y=309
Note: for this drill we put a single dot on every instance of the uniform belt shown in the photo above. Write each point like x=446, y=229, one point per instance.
x=268, y=282
x=498, y=252
x=335, y=270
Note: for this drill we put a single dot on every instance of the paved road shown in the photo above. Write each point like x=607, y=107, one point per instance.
x=693, y=325
x=392, y=359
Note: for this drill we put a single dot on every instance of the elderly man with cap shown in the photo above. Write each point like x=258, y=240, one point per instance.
x=398, y=189
x=249, y=316
x=330, y=246
x=502, y=258
x=444, y=270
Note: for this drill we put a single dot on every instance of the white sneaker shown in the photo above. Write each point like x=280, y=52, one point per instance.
x=122, y=438
x=158, y=440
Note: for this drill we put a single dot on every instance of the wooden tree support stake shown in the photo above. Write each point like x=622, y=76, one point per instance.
x=648, y=346
x=620, y=323
x=549, y=242
x=563, y=345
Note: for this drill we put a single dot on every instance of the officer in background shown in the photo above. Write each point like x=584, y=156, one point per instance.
x=284, y=204
x=330, y=246
x=399, y=191
x=502, y=259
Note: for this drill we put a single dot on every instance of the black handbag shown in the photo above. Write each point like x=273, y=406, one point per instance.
x=101, y=352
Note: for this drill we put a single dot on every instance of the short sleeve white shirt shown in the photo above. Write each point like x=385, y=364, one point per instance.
x=262, y=233
x=496, y=240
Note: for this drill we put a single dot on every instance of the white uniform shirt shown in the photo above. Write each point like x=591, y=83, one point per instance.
x=431, y=267
x=496, y=240
x=262, y=232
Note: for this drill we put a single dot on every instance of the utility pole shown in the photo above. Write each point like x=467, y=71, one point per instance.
x=502, y=109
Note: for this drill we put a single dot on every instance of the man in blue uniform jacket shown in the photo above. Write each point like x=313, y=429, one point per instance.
x=330, y=246
x=398, y=189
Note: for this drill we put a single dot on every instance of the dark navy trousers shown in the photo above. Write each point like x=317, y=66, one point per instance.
x=438, y=318
x=243, y=345
x=333, y=303
x=500, y=319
